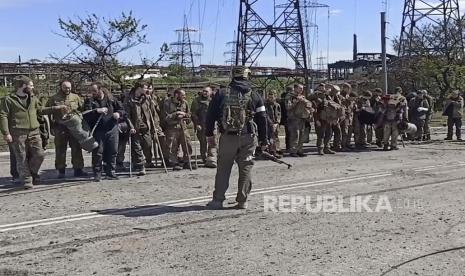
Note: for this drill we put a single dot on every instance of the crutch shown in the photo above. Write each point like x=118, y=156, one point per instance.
x=130, y=155
x=161, y=151
x=195, y=148
x=185, y=143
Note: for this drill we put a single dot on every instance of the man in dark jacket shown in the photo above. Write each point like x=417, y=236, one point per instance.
x=241, y=115
x=104, y=118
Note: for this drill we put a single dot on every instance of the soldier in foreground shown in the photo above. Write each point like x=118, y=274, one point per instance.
x=241, y=115
x=60, y=104
x=19, y=125
x=394, y=111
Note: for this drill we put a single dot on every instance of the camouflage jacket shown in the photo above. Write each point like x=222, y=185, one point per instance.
x=170, y=109
x=199, y=108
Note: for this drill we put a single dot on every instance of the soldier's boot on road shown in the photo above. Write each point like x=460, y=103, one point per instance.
x=120, y=167
x=328, y=151
x=141, y=171
x=28, y=185
x=187, y=167
x=80, y=173
x=215, y=204
x=150, y=165
x=35, y=179
x=111, y=175
x=177, y=167
x=301, y=154
x=210, y=164
x=61, y=173
x=241, y=205
x=97, y=176
x=320, y=151
x=386, y=147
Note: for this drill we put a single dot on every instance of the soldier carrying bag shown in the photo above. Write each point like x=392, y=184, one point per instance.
x=236, y=112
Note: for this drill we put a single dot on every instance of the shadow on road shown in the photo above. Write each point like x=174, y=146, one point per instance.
x=153, y=210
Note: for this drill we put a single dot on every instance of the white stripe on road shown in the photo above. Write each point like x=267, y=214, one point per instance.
x=181, y=202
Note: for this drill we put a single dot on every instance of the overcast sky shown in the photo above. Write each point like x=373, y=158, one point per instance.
x=28, y=26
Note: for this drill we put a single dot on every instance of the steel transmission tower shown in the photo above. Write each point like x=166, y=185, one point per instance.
x=444, y=15
x=185, y=49
x=254, y=33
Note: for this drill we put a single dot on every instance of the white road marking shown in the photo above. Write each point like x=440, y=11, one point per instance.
x=181, y=202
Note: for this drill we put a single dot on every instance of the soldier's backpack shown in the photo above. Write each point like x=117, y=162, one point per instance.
x=236, y=111
x=304, y=110
x=332, y=112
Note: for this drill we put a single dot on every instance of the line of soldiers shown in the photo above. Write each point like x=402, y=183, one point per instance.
x=157, y=128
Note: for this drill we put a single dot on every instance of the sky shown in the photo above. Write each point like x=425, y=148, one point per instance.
x=29, y=27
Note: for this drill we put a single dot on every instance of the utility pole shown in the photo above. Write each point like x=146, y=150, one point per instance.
x=383, y=51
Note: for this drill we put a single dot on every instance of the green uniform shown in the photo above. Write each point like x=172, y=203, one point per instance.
x=62, y=135
x=19, y=118
x=273, y=112
x=347, y=122
x=322, y=127
x=199, y=110
x=295, y=124
x=176, y=129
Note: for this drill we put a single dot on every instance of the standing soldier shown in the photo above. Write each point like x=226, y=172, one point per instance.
x=139, y=109
x=199, y=110
x=156, y=110
x=241, y=115
x=419, y=108
x=273, y=111
x=59, y=105
x=454, y=111
x=104, y=117
x=19, y=125
x=284, y=123
x=336, y=97
x=376, y=105
x=394, y=111
x=346, y=124
x=298, y=112
x=177, y=117
x=324, y=118
x=429, y=116
x=360, y=134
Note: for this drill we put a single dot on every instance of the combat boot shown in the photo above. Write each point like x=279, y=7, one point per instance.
x=111, y=175
x=28, y=185
x=176, y=167
x=386, y=147
x=97, y=176
x=61, y=173
x=141, y=171
x=80, y=173
x=328, y=151
x=215, y=204
x=320, y=151
x=241, y=205
x=301, y=154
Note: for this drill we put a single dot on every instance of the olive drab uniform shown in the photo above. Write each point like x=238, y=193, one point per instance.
x=241, y=115
x=141, y=114
x=429, y=116
x=336, y=125
x=394, y=111
x=325, y=116
x=347, y=122
x=176, y=130
x=199, y=110
x=157, y=115
x=454, y=111
x=360, y=134
x=273, y=112
x=419, y=108
x=298, y=112
x=19, y=118
x=62, y=135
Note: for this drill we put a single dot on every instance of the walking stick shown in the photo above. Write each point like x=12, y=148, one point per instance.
x=161, y=151
x=185, y=143
x=130, y=155
x=195, y=148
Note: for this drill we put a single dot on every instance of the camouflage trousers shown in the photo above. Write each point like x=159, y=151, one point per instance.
x=346, y=132
x=239, y=149
x=337, y=133
x=323, y=134
x=275, y=145
x=62, y=139
x=360, y=134
x=390, y=131
x=296, y=128
x=27, y=148
x=175, y=138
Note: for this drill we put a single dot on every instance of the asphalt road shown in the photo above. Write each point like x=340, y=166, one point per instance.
x=158, y=225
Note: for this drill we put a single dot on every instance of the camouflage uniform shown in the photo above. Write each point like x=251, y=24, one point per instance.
x=273, y=110
x=296, y=125
x=176, y=130
x=347, y=122
x=360, y=133
x=454, y=111
x=429, y=117
x=322, y=127
x=419, y=116
x=61, y=133
x=394, y=110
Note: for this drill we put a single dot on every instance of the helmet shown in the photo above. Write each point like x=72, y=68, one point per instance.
x=240, y=72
